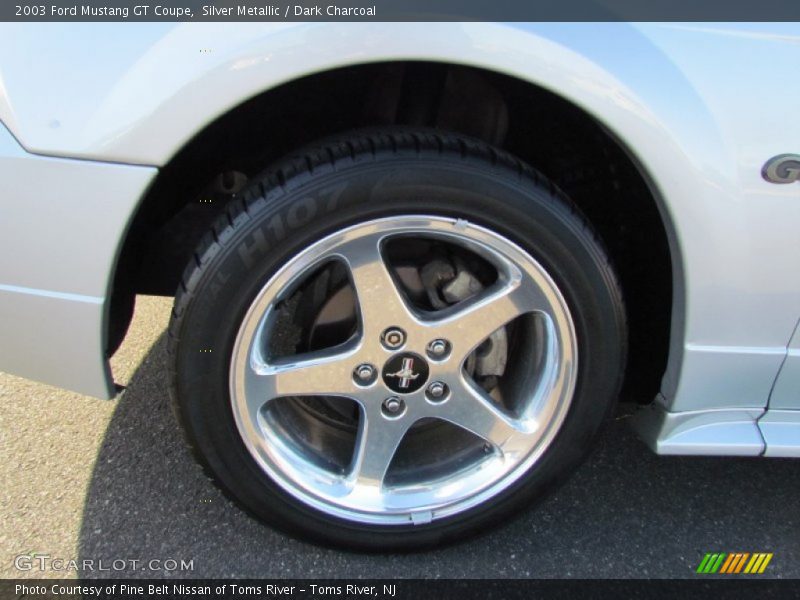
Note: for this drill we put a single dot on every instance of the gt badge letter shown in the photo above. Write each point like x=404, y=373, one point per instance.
x=784, y=168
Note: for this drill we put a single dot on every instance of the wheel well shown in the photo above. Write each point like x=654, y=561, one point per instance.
x=551, y=134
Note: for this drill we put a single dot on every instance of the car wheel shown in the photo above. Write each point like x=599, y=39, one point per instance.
x=394, y=340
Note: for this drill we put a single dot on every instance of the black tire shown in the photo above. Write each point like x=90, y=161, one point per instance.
x=361, y=177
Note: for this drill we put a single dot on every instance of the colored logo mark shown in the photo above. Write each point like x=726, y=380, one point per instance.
x=734, y=562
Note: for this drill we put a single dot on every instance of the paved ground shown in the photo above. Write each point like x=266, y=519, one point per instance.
x=90, y=479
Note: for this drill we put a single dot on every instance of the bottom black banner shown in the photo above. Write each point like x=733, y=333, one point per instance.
x=404, y=589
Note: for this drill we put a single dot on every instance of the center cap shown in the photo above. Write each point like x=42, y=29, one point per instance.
x=405, y=372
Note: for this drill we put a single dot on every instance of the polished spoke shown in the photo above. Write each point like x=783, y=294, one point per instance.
x=478, y=318
x=379, y=300
x=325, y=373
x=376, y=444
x=471, y=408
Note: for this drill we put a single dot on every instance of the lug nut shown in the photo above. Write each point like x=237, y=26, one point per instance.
x=437, y=391
x=393, y=406
x=364, y=374
x=393, y=338
x=438, y=349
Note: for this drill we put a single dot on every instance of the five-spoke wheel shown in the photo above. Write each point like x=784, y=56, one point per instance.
x=421, y=375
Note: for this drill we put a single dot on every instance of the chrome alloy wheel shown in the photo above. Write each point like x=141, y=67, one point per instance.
x=405, y=373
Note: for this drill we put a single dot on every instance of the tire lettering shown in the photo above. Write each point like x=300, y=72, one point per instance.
x=301, y=212
x=216, y=285
x=298, y=214
x=249, y=252
x=277, y=228
x=333, y=193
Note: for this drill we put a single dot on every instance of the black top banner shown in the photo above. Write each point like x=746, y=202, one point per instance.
x=400, y=10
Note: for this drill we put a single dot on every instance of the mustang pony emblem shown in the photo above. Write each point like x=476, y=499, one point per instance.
x=406, y=373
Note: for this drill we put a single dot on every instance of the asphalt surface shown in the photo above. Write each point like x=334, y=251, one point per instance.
x=87, y=479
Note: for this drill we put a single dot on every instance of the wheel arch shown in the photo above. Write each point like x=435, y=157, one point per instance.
x=665, y=294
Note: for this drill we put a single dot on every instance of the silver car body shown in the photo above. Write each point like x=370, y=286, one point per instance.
x=700, y=108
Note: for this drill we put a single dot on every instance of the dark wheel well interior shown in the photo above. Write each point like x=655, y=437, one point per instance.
x=554, y=136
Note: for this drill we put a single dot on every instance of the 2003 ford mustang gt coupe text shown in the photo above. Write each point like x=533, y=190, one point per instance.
x=414, y=265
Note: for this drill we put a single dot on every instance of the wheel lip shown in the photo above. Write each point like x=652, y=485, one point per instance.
x=255, y=320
